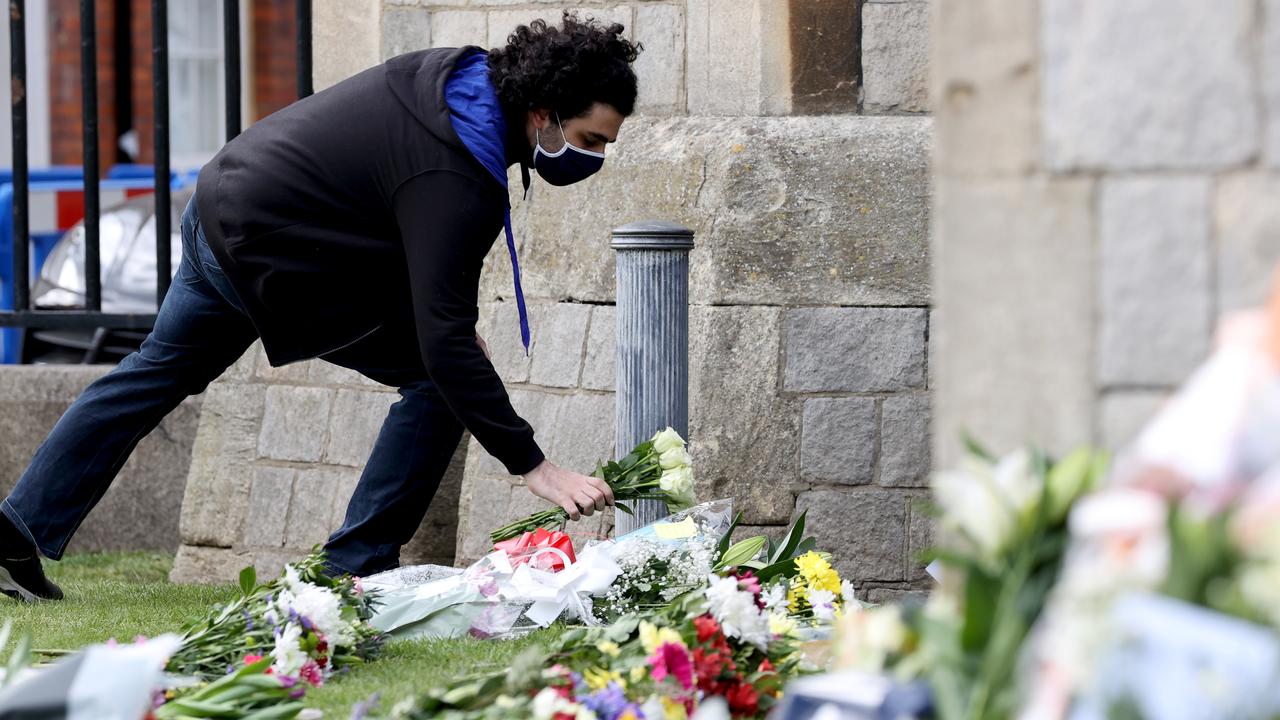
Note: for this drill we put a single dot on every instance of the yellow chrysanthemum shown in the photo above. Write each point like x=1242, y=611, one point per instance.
x=651, y=636
x=811, y=564
x=639, y=673
x=609, y=648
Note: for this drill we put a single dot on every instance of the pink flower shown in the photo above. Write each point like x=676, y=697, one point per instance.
x=311, y=673
x=672, y=659
x=358, y=586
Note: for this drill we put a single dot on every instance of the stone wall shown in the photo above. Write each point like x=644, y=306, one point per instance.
x=140, y=511
x=1101, y=201
x=761, y=125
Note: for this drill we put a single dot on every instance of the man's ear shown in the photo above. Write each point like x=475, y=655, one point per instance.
x=540, y=118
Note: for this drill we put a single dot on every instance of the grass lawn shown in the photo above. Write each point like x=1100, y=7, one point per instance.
x=123, y=595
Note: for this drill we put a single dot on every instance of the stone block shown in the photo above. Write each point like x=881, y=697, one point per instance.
x=485, y=506
x=744, y=437
x=327, y=374
x=774, y=532
x=291, y=374
x=1185, y=97
x=599, y=370
x=895, y=57
x=196, y=565
x=242, y=370
x=895, y=595
x=541, y=410
x=499, y=325
x=986, y=87
x=294, y=423
x=855, y=349
x=311, y=507
x=839, y=219
x=584, y=432
x=503, y=22
x=1247, y=227
x=825, y=48
x=268, y=507
x=458, y=28
x=660, y=68
x=865, y=531
x=838, y=440
x=1154, y=279
x=217, y=484
x=354, y=425
x=904, y=441
x=1003, y=373
x=345, y=39
x=738, y=63
x=1124, y=413
x=560, y=337
x=404, y=30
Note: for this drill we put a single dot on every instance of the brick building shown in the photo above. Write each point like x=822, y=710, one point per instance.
x=196, y=72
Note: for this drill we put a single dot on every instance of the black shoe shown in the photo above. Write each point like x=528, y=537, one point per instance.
x=21, y=575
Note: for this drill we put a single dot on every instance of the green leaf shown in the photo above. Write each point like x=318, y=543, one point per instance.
x=623, y=507
x=741, y=552
x=981, y=592
x=248, y=580
x=786, y=568
x=791, y=541
x=5, y=631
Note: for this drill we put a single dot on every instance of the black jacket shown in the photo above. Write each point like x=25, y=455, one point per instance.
x=358, y=210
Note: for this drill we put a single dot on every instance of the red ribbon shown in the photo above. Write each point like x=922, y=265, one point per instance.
x=524, y=548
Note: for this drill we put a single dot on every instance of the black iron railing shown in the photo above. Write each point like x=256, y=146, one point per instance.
x=91, y=317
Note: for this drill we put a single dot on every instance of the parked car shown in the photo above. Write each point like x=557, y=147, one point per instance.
x=127, y=249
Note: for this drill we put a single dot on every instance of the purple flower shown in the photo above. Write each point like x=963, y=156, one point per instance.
x=607, y=703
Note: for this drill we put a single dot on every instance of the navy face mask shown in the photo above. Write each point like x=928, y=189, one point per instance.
x=567, y=165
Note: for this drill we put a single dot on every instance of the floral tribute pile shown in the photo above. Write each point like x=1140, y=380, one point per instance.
x=263, y=649
x=735, y=632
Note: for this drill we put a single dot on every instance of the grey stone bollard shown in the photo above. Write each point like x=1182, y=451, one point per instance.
x=652, y=341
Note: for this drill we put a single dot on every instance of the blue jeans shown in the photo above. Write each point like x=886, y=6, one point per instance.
x=200, y=330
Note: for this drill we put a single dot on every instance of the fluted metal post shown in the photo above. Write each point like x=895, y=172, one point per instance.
x=653, y=341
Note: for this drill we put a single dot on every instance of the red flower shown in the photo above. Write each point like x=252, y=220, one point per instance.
x=743, y=700
x=766, y=666
x=707, y=627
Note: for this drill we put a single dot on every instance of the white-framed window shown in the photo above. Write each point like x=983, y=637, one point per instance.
x=197, y=79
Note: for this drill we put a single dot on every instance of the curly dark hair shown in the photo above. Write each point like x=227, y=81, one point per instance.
x=566, y=69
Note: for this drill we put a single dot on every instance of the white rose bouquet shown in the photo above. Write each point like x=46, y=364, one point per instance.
x=658, y=469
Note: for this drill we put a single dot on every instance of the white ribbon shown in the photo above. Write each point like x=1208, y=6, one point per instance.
x=554, y=593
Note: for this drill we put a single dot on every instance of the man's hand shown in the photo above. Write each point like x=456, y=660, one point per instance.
x=484, y=347
x=579, y=495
